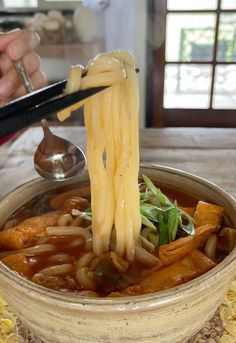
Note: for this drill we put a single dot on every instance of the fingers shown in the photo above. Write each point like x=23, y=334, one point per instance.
x=31, y=61
x=38, y=80
x=4, y=101
x=6, y=38
x=15, y=45
x=24, y=43
x=5, y=62
x=10, y=82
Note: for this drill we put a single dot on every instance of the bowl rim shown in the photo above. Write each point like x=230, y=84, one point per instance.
x=126, y=303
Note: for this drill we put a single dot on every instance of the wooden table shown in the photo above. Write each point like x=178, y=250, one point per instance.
x=207, y=152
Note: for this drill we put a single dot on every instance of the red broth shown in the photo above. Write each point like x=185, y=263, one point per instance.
x=68, y=263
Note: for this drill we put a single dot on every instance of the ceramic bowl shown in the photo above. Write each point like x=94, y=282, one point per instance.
x=169, y=316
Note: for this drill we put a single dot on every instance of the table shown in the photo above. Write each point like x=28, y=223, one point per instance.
x=206, y=152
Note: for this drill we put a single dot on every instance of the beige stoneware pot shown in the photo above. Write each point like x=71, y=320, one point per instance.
x=169, y=316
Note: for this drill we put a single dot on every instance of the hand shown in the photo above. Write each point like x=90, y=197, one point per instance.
x=15, y=45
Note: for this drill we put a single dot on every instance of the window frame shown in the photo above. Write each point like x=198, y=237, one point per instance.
x=157, y=115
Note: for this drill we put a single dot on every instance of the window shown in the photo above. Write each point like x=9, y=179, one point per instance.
x=195, y=65
x=20, y=3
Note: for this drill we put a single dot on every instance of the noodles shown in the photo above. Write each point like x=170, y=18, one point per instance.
x=59, y=258
x=35, y=250
x=65, y=219
x=75, y=74
x=77, y=221
x=59, y=269
x=111, y=120
x=39, y=249
x=210, y=247
x=104, y=79
x=120, y=264
x=71, y=231
x=85, y=260
x=78, y=242
x=84, y=280
x=145, y=257
x=68, y=231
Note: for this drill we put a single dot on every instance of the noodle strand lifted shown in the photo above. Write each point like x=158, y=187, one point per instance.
x=111, y=120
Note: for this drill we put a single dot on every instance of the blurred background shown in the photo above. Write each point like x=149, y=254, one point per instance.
x=186, y=50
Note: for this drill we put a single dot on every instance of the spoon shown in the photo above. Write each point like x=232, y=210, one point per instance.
x=55, y=158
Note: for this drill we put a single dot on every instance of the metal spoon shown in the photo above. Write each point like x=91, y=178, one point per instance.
x=55, y=158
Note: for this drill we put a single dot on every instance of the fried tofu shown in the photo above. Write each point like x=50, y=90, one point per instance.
x=20, y=235
x=208, y=214
x=189, y=210
x=176, y=250
x=18, y=263
x=190, y=267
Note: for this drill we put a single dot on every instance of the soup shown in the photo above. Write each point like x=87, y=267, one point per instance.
x=54, y=248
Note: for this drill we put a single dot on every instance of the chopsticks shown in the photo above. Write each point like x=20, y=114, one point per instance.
x=34, y=98
x=37, y=105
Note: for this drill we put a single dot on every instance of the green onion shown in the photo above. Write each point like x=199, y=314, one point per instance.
x=146, y=244
x=151, y=235
x=164, y=231
x=159, y=215
x=147, y=222
x=189, y=226
x=161, y=198
x=158, y=212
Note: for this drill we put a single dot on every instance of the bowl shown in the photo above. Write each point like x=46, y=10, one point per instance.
x=169, y=316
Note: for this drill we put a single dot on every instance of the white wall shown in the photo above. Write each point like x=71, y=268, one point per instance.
x=124, y=23
x=125, y=28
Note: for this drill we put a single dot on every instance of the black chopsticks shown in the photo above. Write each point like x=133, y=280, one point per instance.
x=40, y=104
x=32, y=99
x=23, y=112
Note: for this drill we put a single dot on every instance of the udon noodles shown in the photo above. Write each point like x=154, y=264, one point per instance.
x=117, y=235
x=111, y=120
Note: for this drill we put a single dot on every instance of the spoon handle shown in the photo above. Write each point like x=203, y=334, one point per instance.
x=20, y=68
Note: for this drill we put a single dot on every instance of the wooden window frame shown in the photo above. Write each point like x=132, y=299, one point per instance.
x=157, y=115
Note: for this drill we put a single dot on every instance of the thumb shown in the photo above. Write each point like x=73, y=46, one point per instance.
x=8, y=37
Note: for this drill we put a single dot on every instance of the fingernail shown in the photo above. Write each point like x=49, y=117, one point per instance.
x=5, y=87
